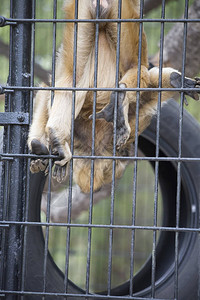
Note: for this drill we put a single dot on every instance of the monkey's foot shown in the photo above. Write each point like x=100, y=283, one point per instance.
x=40, y=164
x=107, y=113
x=64, y=156
x=60, y=169
x=123, y=133
x=59, y=173
x=176, y=82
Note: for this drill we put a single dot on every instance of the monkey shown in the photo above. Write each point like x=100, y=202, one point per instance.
x=51, y=126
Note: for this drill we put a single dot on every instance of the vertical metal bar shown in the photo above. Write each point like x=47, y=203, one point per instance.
x=153, y=279
x=50, y=161
x=19, y=76
x=5, y=173
x=114, y=147
x=5, y=179
x=136, y=149
x=93, y=148
x=28, y=165
x=72, y=148
x=178, y=195
x=198, y=245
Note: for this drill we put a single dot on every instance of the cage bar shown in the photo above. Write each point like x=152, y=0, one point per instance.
x=20, y=51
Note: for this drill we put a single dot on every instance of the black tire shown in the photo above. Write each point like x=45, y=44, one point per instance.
x=165, y=251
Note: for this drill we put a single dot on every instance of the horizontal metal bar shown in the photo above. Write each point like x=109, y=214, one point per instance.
x=105, y=226
x=93, y=296
x=181, y=20
x=17, y=118
x=2, y=158
x=4, y=90
x=4, y=226
x=51, y=88
x=9, y=156
x=4, y=22
x=133, y=158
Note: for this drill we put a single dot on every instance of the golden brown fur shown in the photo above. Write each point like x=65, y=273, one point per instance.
x=52, y=125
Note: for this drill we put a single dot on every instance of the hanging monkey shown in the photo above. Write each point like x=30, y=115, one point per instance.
x=51, y=127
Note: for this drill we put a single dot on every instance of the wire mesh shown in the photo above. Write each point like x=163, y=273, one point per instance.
x=19, y=227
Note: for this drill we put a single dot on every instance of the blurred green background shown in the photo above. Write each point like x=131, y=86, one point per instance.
x=123, y=203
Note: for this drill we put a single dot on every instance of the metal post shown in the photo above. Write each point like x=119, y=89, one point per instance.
x=15, y=142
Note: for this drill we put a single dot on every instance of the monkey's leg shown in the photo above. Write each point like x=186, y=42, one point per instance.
x=129, y=80
x=59, y=127
x=171, y=78
x=148, y=102
x=36, y=140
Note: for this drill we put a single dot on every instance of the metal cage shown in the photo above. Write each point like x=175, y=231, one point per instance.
x=27, y=270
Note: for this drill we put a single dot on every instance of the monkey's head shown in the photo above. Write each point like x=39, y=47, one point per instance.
x=102, y=7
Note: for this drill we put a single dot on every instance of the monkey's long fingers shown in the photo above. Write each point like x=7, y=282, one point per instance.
x=38, y=165
x=197, y=83
x=60, y=148
x=176, y=81
x=99, y=115
x=59, y=173
x=107, y=112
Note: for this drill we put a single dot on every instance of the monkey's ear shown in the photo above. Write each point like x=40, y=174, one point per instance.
x=176, y=82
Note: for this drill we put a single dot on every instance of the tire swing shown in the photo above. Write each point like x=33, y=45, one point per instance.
x=165, y=250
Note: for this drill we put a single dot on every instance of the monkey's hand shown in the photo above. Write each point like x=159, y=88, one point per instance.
x=176, y=81
x=40, y=164
x=107, y=113
x=64, y=155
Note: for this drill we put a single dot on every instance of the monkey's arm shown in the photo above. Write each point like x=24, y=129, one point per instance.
x=37, y=142
x=58, y=128
x=40, y=116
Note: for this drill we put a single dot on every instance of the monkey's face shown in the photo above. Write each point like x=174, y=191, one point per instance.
x=105, y=7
